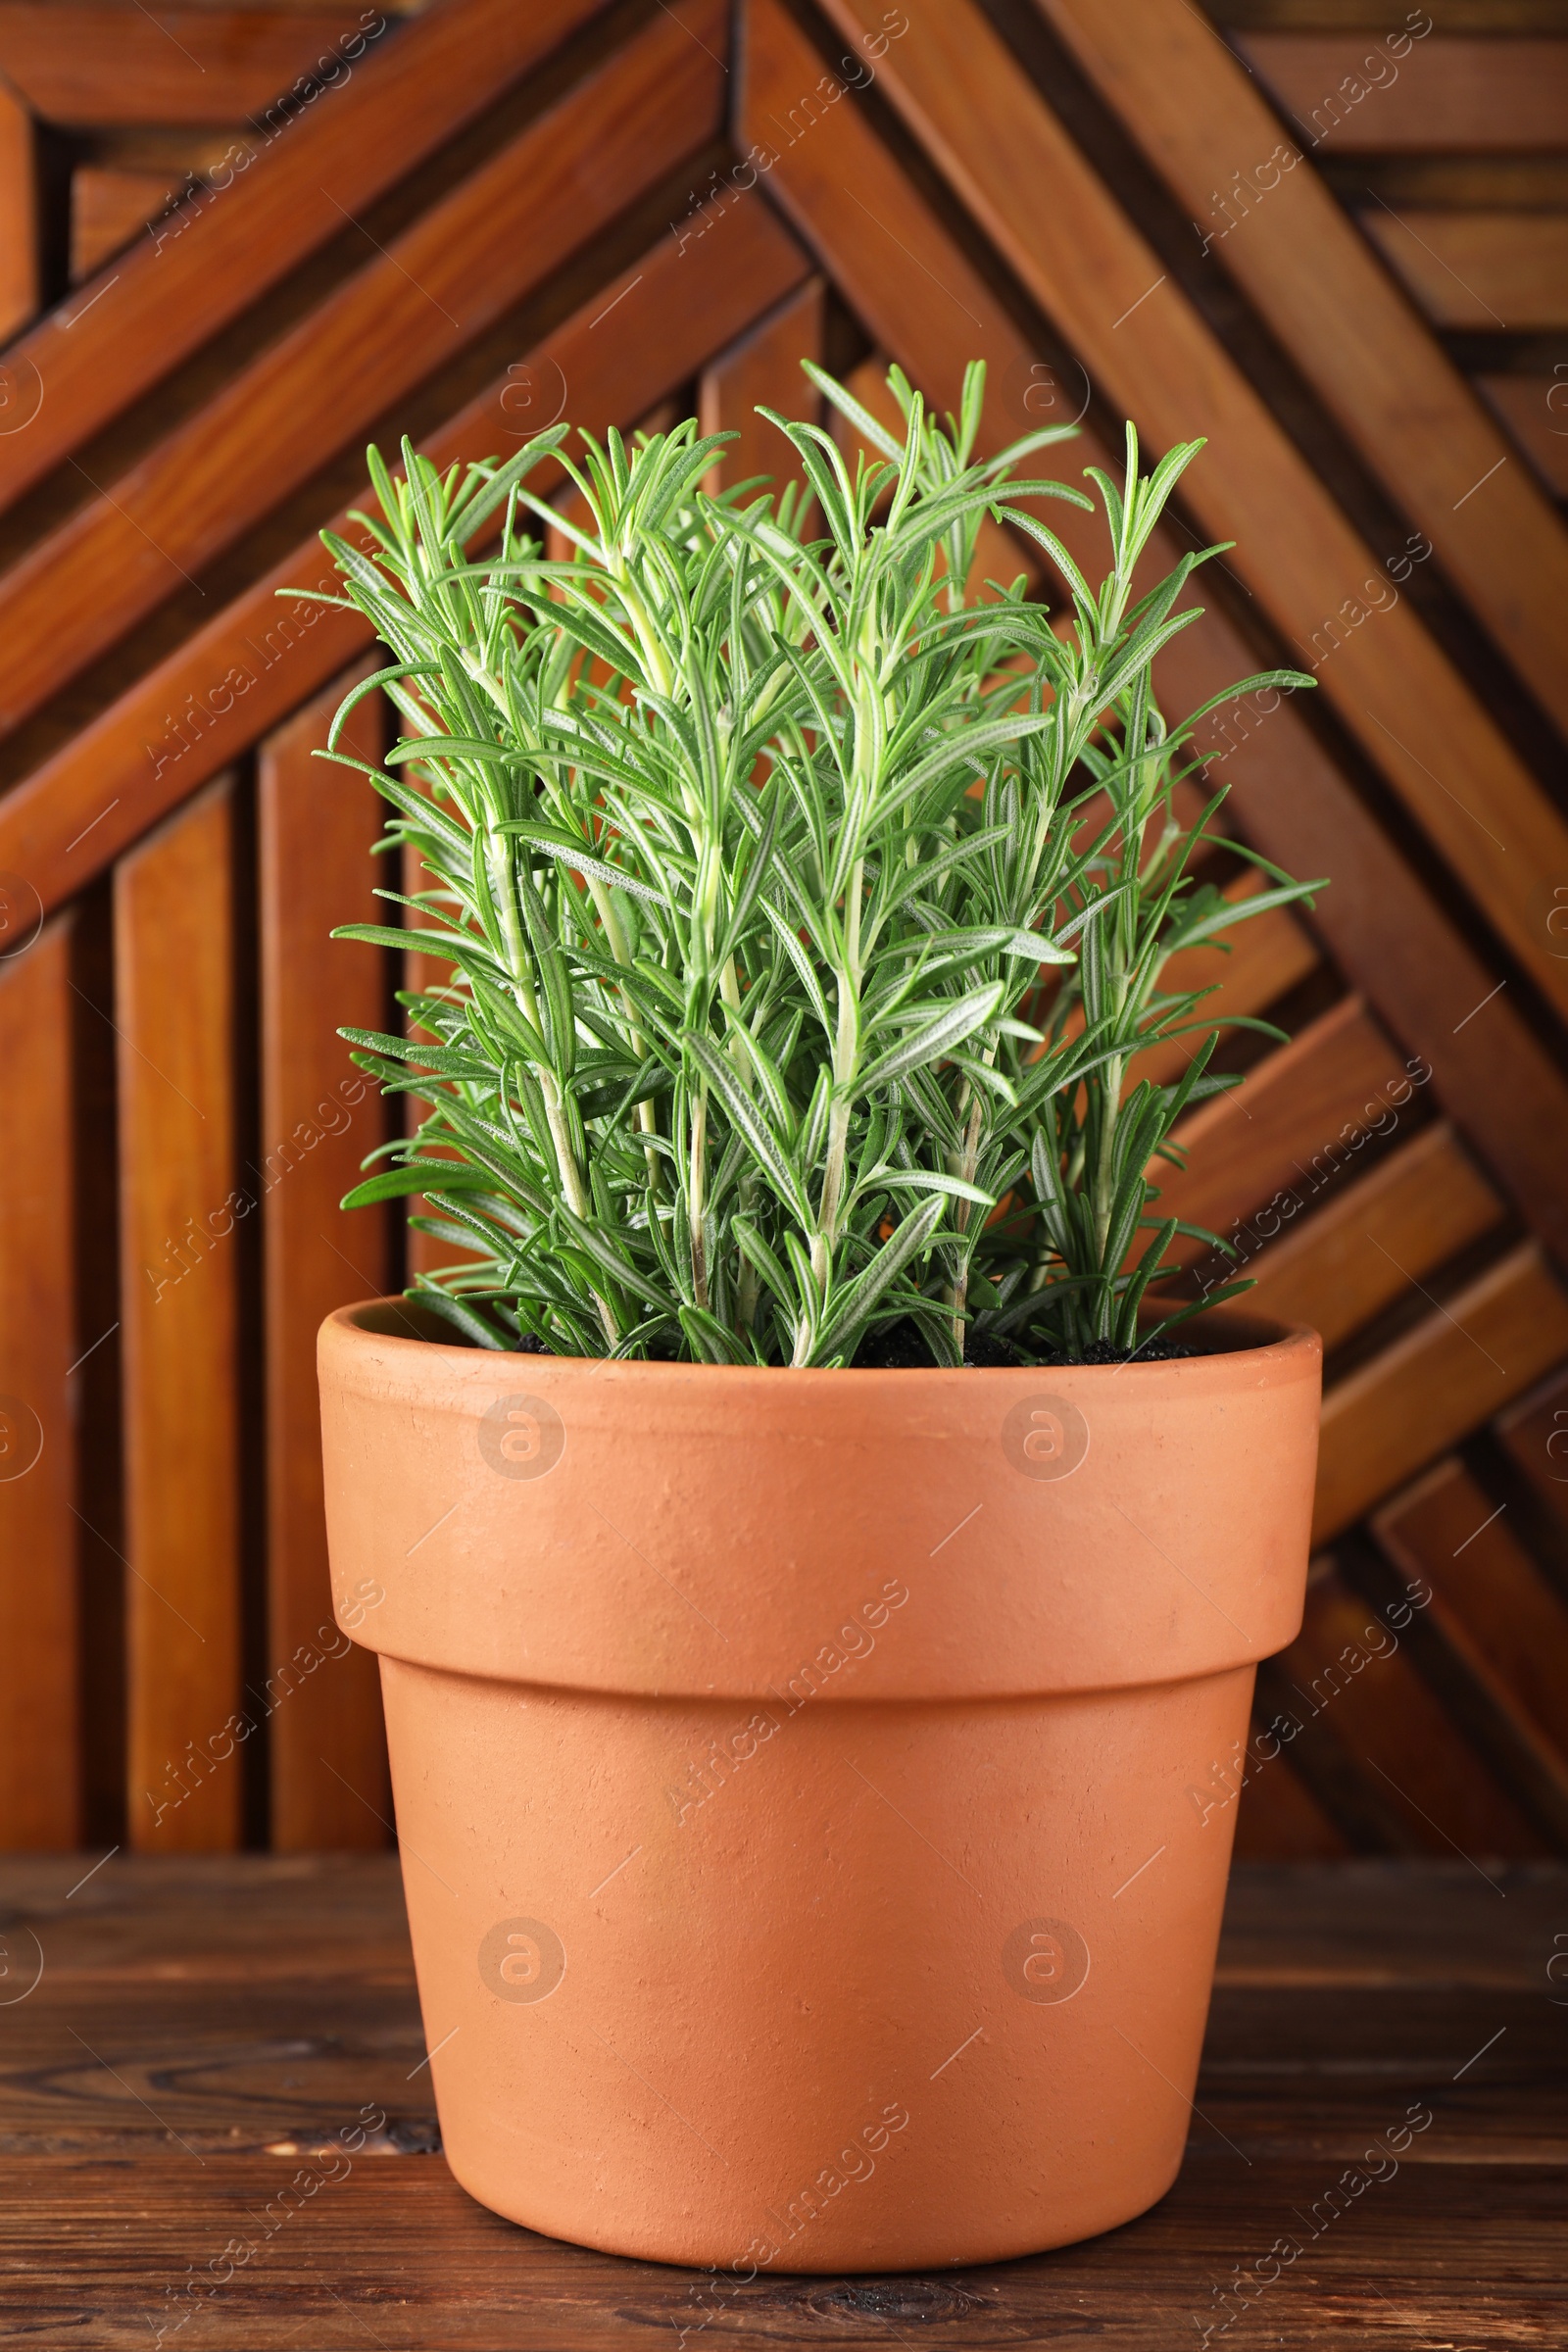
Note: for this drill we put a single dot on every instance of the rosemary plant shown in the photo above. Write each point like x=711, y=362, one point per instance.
x=804, y=911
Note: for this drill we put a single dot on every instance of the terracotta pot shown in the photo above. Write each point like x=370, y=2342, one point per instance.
x=811, y=1785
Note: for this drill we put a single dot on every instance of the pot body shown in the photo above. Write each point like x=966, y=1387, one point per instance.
x=805, y=1780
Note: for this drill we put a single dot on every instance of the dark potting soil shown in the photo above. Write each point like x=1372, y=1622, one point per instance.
x=901, y=1349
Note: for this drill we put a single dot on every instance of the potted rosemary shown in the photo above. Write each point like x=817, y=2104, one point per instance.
x=819, y=1548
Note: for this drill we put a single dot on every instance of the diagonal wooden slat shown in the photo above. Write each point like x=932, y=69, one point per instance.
x=1534, y=1434
x=1447, y=1529
x=1441, y=92
x=1278, y=1819
x=1359, y=1252
x=1375, y=1740
x=1471, y=1356
x=107, y=209
x=450, y=274
x=41, y=1713
x=1148, y=351
x=1466, y=1667
x=1248, y=969
x=1303, y=1111
x=253, y=662
x=1389, y=384
x=108, y=341
x=1530, y=408
x=923, y=301
x=82, y=65
x=1485, y=270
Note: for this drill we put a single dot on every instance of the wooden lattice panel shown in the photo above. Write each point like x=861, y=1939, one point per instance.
x=493, y=215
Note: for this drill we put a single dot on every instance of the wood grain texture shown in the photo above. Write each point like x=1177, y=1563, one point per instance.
x=258, y=659
x=1297, y=1121
x=1534, y=411
x=1278, y=1819
x=1450, y=1530
x=108, y=208
x=159, y=305
x=1352, y=1673
x=1363, y=1240
x=1484, y=1714
x=1156, y=360
x=1281, y=234
x=1356, y=17
x=18, y=221
x=1248, y=969
x=764, y=370
x=448, y=276
x=1462, y=1363
x=182, y=1199
x=1373, y=96
x=1535, y=1435
x=1347, y=1996
x=40, y=1712
x=84, y=65
x=1489, y=270
x=316, y=826
x=924, y=301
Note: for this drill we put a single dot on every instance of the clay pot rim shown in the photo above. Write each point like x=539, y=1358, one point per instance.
x=1258, y=1343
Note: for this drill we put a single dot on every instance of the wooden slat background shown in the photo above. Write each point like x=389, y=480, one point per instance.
x=1334, y=249
x=177, y=1087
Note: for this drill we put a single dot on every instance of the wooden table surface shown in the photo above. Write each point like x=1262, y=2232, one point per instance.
x=201, y=2030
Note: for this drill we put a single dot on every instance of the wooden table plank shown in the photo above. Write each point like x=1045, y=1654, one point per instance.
x=262, y=2005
